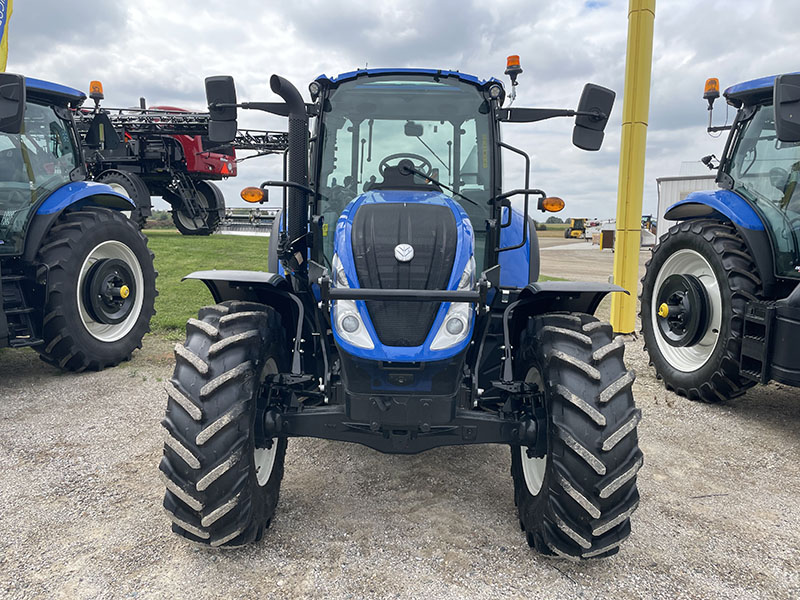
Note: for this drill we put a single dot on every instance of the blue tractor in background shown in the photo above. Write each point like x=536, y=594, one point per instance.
x=76, y=277
x=721, y=294
x=402, y=311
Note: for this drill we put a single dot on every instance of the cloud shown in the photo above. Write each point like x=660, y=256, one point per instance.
x=163, y=50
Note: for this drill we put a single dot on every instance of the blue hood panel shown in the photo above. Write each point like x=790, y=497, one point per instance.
x=343, y=247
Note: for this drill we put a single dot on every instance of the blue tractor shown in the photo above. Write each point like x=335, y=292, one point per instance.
x=720, y=298
x=402, y=311
x=76, y=277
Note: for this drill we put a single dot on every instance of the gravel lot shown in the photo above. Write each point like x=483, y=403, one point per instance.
x=81, y=512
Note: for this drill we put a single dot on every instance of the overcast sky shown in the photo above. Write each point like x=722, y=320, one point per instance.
x=163, y=50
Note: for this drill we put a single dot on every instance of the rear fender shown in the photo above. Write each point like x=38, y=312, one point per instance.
x=725, y=205
x=75, y=195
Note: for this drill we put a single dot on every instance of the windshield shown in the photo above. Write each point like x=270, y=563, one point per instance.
x=32, y=165
x=767, y=172
x=370, y=124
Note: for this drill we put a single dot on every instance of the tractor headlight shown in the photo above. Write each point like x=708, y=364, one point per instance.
x=455, y=327
x=346, y=318
x=349, y=326
x=339, y=276
x=467, y=281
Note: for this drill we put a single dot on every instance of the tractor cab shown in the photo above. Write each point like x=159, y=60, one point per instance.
x=37, y=158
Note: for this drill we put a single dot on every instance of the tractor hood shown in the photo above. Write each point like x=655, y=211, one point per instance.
x=401, y=239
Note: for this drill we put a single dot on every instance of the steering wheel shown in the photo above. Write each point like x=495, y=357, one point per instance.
x=424, y=166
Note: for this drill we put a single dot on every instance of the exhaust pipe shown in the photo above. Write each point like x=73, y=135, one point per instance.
x=297, y=158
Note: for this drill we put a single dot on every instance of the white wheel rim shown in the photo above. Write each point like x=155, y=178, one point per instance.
x=121, y=190
x=264, y=458
x=533, y=469
x=689, y=358
x=103, y=331
x=194, y=223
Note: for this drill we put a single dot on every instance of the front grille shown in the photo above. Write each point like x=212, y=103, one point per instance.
x=431, y=231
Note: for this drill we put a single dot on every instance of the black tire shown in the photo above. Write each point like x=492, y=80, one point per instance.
x=134, y=188
x=68, y=246
x=567, y=233
x=587, y=480
x=213, y=494
x=735, y=272
x=211, y=207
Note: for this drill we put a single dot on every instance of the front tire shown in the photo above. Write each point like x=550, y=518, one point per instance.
x=222, y=490
x=86, y=260
x=576, y=500
x=712, y=253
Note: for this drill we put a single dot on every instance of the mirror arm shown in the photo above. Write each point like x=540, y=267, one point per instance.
x=276, y=108
x=530, y=115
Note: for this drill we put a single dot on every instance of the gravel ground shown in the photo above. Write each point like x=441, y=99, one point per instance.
x=81, y=512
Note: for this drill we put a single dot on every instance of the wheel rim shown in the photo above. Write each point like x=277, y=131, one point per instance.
x=692, y=357
x=264, y=458
x=195, y=223
x=111, y=332
x=120, y=190
x=533, y=469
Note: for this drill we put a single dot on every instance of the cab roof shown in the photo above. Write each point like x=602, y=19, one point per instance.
x=434, y=72
x=750, y=92
x=53, y=93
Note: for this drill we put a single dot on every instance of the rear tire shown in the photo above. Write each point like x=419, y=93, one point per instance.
x=77, y=333
x=577, y=500
x=132, y=186
x=210, y=205
x=222, y=491
x=722, y=260
x=567, y=233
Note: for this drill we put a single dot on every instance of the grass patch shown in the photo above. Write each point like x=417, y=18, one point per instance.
x=178, y=255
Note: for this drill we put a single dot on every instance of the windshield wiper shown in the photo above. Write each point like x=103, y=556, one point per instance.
x=432, y=152
x=405, y=170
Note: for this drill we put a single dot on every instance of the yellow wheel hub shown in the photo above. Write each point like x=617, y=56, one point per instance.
x=663, y=310
x=125, y=291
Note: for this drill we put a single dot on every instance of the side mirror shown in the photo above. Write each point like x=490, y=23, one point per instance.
x=588, y=131
x=786, y=100
x=12, y=102
x=221, y=97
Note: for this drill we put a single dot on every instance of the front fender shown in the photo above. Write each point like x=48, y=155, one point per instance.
x=572, y=296
x=252, y=286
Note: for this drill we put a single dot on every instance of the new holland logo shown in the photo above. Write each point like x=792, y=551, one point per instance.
x=404, y=252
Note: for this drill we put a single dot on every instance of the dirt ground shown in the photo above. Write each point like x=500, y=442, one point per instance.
x=81, y=516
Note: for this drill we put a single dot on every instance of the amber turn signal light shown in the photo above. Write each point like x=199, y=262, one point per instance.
x=552, y=204
x=253, y=194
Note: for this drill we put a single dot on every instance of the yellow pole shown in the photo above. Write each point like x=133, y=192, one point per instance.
x=6, y=8
x=635, y=108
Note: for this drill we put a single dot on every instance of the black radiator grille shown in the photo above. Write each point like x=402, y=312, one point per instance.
x=431, y=231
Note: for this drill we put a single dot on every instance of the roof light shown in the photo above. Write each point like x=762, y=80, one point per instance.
x=495, y=91
x=711, y=91
x=96, y=90
x=314, y=88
